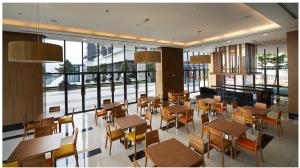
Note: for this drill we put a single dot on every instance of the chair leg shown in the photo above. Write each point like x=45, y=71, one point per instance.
x=193, y=125
x=76, y=158
x=59, y=127
x=257, y=159
x=160, y=123
x=208, y=151
x=25, y=134
x=187, y=127
x=202, y=133
x=167, y=126
x=110, y=144
x=261, y=155
x=146, y=161
x=73, y=126
x=223, y=158
x=106, y=142
x=135, y=149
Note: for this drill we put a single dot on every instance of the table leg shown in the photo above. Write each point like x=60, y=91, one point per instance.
x=176, y=120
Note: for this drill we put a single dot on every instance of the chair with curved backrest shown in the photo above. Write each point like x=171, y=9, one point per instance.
x=148, y=117
x=106, y=101
x=187, y=104
x=66, y=120
x=220, y=108
x=216, y=140
x=198, y=97
x=204, y=122
x=54, y=109
x=125, y=106
x=155, y=104
x=151, y=137
x=137, y=136
x=29, y=126
x=276, y=122
x=253, y=146
x=67, y=150
x=187, y=118
x=43, y=131
x=249, y=118
x=202, y=106
x=99, y=113
x=114, y=135
x=234, y=105
x=218, y=98
x=49, y=122
x=197, y=143
x=239, y=119
x=167, y=117
x=142, y=103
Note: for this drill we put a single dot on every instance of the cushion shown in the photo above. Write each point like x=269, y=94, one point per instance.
x=101, y=113
x=130, y=136
x=184, y=118
x=65, y=120
x=246, y=143
x=269, y=120
x=117, y=133
x=11, y=164
x=64, y=150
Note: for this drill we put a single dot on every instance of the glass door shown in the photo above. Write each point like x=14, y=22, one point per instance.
x=90, y=91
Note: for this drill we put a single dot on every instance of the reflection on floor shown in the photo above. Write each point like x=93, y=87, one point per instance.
x=277, y=151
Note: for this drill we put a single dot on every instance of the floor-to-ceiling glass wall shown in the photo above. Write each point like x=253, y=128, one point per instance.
x=93, y=71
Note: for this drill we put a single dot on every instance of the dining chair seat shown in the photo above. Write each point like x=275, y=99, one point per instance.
x=269, y=120
x=185, y=118
x=130, y=136
x=11, y=164
x=65, y=120
x=246, y=143
x=33, y=126
x=64, y=150
x=205, y=129
x=101, y=113
x=117, y=134
x=250, y=120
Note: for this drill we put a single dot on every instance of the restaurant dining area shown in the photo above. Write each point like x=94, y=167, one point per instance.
x=149, y=84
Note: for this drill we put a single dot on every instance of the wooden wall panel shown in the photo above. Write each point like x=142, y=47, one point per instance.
x=22, y=84
x=292, y=51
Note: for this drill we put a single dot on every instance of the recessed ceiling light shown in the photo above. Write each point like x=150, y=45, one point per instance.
x=228, y=41
x=199, y=31
x=116, y=42
x=247, y=16
x=146, y=20
x=83, y=39
x=20, y=13
x=265, y=34
x=107, y=10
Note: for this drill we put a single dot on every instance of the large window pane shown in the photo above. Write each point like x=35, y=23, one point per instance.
x=90, y=58
x=130, y=77
x=74, y=93
x=73, y=61
x=119, y=68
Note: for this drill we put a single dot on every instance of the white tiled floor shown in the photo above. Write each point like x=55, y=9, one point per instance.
x=281, y=151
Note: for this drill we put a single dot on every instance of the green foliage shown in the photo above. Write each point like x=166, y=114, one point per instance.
x=69, y=67
x=150, y=67
x=271, y=60
x=103, y=67
x=125, y=66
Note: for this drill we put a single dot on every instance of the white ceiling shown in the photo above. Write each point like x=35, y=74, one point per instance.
x=175, y=22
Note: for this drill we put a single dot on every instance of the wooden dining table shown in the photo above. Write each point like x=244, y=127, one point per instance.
x=129, y=121
x=177, y=109
x=228, y=127
x=172, y=153
x=256, y=110
x=56, y=115
x=109, y=106
x=36, y=146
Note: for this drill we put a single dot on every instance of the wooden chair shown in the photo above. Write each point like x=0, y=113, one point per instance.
x=234, y=105
x=137, y=136
x=125, y=106
x=11, y=164
x=66, y=120
x=155, y=105
x=249, y=118
x=36, y=161
x=106, y=101
x=218, y=98
x=67, y=150
x=99, y=113
x=187, y=118
x=220, y=108
x=173, y=100
x=203, y=106
x=49, y=122
x=187, y=104
x=276, y=122
x=141, y=104
x=29, y=126
x=253, y=146
x=204, y=122
x=43, y=131
x=186, y=96
x=216, y=140
x=114, y=135
x=239, y=119
x=136, y=163
x=54, y=109
x=148, y=117
x=143, y=95
x=165, y=116
x=198, y=97
x=151, y=137
x=197, y=144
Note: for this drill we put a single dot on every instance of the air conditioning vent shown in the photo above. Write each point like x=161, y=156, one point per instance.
x=290, y=8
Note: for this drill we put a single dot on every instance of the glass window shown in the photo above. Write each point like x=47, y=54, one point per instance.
x=90, y=57
x=130, y=75
x=119, y=67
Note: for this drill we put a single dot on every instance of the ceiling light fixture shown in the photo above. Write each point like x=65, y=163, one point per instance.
x=34, y=51
x=265, y=34
x=142, y=57
x=200, y=59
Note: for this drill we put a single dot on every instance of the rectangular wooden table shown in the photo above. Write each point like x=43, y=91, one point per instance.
x=56, y=115
x=256, y=110
x=228, y=127
x=129, y=121
x=172, y=153
x=177, y=109
x=36, y=146
x=109, y=106
x=210, y=100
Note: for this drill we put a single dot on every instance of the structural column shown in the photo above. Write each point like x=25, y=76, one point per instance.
x=292, y=51
x=169, y=73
